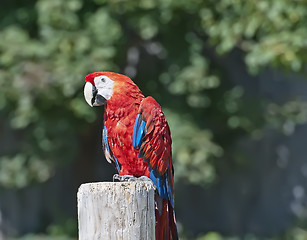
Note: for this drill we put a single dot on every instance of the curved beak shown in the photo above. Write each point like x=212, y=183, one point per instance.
x=92, y=97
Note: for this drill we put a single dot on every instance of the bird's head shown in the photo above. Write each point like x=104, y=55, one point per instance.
x=101, y=86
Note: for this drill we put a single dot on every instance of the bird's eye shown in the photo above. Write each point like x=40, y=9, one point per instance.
x=103, y=80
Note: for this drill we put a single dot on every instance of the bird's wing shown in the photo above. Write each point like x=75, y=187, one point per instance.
x=152, y=137
x=107, y=150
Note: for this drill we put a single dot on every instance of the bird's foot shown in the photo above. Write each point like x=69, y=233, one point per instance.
x=129, y=178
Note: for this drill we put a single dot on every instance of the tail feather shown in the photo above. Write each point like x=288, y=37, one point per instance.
x=165, y=220
x=172, y=221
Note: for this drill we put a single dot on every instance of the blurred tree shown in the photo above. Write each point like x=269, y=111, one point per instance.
x=48, y=46
x=171, y=48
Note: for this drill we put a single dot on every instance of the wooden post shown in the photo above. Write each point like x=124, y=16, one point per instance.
x=116, y=211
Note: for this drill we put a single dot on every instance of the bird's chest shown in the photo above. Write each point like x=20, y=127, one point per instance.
x=119, y=123
x=119, y=133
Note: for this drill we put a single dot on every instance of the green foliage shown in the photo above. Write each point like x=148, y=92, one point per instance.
x=47, y=47
x=193, y=147
x=18, y=171
x=217, y=236
x=68, y=227
x=287, y=116
x=268, y=31
x=42, y=237
x=293, y=234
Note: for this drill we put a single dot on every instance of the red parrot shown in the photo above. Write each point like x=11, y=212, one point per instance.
x=137, y=140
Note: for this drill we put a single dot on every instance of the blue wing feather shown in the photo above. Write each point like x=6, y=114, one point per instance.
x=162, y=184
x=108, y=152
x=138, y=131
x=160, y=181
x=151, y=136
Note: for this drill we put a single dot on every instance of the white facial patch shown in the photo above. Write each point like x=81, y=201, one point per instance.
x=104, y=86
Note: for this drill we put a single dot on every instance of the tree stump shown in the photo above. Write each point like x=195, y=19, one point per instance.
x=116, y=211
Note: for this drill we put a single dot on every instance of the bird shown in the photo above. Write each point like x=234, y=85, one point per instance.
x=136, y=139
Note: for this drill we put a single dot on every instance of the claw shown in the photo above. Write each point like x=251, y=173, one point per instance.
x=143, y=178
x=129, y=178
x=123, y=178
x=115, y=177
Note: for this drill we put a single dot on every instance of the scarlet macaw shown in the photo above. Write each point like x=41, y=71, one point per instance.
x=137, y=140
